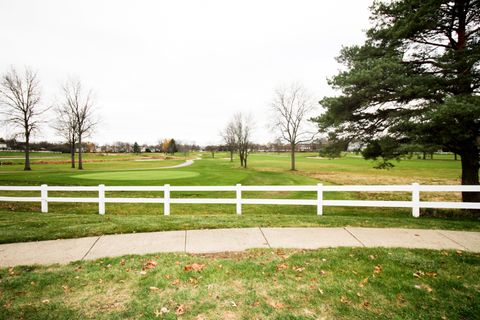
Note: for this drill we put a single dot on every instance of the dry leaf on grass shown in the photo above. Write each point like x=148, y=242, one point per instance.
x=344, y=299
x=150, y=264
x=425, y=287
x=180, y=310
x=377, y=269
x=153, y=289
x=277, y=305
x=282, y=266
x=194, y=267
x=363, y=282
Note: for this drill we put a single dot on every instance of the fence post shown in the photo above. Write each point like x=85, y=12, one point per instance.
x=101, y=199
x=166, y=200
x=44, y=197
x=319, y=199
x=239, y=198
x=415, y=200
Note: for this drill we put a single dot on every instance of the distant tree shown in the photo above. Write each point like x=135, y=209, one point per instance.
x=230, y=138
x=65, y=124
x=81, y=106
x=291, y=107
x=416, y=77
x=172, y=147
x=20, y=104
x=243, y=127
x=212, y=149
x=164, y=145
x=136, y=148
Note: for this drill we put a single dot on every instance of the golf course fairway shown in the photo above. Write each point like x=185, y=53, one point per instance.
x=137, y=175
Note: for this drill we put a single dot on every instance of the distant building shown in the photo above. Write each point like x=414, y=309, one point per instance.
x=3, y=146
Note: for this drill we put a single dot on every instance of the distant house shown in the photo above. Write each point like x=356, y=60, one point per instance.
x=3, y=146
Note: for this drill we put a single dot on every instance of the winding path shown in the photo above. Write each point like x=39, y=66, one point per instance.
x=181, y=165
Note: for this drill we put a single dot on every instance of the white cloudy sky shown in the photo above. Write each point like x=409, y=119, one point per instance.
x=179, y=68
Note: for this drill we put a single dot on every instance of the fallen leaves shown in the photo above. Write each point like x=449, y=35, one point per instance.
x=282, y=266
x=150, y=264
x=277, y=305
x=153, y=289
x=344, y=299
x=162, y=311
x=423, y=286
x=363, y=282
x=180, y=310
x=377, y=269
x=198, y=267
x=420, y=273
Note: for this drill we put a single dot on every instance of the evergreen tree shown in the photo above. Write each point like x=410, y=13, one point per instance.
x=172, y=147
x=415, y=79
x=136, y=148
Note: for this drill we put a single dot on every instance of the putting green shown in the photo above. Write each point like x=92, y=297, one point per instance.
x=137, y=175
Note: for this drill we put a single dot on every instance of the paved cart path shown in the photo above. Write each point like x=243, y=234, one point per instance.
x=221, y=240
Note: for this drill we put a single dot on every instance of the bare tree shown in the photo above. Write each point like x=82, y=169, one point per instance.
x=291, y=106
x=243, y=127
x=230, y=138
x=80, y=106
x=20, y=104
x=66, y=126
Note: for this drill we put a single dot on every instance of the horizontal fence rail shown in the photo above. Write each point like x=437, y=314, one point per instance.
x=415, y=204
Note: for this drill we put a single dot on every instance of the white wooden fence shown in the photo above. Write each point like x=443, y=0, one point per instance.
x=415, y=204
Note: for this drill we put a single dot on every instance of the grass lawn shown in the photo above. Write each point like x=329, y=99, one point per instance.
x=23, y=222
x=341, y=283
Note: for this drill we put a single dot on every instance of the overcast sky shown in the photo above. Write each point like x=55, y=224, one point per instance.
x=179, y=68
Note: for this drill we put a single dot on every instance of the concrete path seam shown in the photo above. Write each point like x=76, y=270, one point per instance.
x=461, y=245
x=185, y=242
x=354, y=236
x=93, y=245
x=264, y=237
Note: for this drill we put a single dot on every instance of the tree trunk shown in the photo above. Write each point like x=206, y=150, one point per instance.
x=424, y=155
x=455, y=156
x=292, y=157
x=245, y=162
x=470, y=166
x=231, y=155
x=27, y=152
x=80, y=163
x=72, y=154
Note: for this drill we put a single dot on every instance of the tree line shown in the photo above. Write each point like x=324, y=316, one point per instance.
x=22, y=108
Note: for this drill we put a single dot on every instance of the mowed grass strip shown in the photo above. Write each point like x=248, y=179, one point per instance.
x=343, y=283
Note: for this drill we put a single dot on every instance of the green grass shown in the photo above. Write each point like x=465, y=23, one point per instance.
x=342, y=283
x=137, y=175
x=23, y=222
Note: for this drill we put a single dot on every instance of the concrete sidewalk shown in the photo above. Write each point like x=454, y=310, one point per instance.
x=220, y=240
